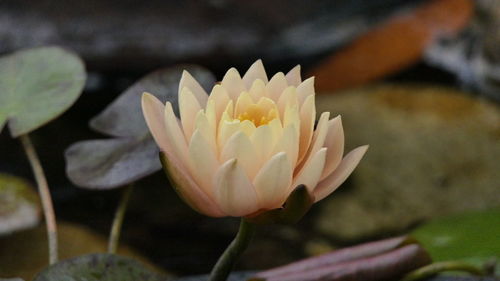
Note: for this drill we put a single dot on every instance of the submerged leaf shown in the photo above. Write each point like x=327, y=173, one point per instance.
x=37, y=85
x=132, y=153
x=19, y=204
x=98, y=267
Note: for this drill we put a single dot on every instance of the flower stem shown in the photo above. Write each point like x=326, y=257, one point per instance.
x=114, y=235
x=223, y=267
x=43, y=189
x=435, y=268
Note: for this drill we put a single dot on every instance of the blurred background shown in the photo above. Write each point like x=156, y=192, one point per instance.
x=418, y=80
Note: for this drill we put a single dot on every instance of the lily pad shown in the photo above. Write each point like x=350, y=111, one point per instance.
x=19, y=204
x=472, y=237
x=37, y=85
x=98, y=267
x=131, y=154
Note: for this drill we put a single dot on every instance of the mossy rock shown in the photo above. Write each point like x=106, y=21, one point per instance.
x=433, y=151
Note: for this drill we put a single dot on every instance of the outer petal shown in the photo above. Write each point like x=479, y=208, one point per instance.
x=293, y=76
x=334, y=141
x=187, y=189
x=187, y=81
x=273, y=181
x=233, y=84
x=335, y=179
x=305, y=89
x=177, y=142
x=234, y=193
x=310, y=174
x=276, y=86
x=153, y=109
x=188, y=107
x=317, y=141
x=307, y=117
x=241, y=148
x=256, y=71
x=203, y=162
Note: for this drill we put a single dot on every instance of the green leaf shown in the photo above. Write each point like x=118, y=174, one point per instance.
x=98, y=267
x=132, y=153
x=36, y=86
x=19, y=204
x=472, y=237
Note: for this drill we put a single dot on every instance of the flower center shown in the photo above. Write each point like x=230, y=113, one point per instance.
x=259, y=115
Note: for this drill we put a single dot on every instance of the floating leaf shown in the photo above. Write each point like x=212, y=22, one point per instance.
x=98, y=267
x=19, y=204
x=37, y=85
x=472, y=237
x=132, y=153
x=235, y=276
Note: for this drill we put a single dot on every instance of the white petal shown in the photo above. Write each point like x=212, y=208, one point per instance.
x=153, y=109
x=273, y=182
x=289, y=143
x=276, y=86
x=241, y=148
x=256, y=71
x=293, y=76
x=220, y=98
x=319, y=136
x=288, y=99
x=234, y=193
x=188, y=108
x=310, y=174
x=206, y=129
x=335, y=179
x=187, y=81
x=334, y=141
x=263, y=141
x=233, y=84
x=242, y=103
x=258, y=90
x=203, y=162
x=307, y=118
x=305, y=89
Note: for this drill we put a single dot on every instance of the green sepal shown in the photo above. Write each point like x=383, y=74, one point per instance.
x=295, y=207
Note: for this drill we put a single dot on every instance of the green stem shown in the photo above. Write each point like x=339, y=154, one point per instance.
x=43, y=190
x=223, y=267
x=435, y=268
x=116, y=227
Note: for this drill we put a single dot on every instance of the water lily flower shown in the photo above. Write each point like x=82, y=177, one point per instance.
x=244, y=148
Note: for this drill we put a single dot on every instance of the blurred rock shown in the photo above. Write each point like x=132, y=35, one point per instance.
x=474, y=54
x=19, y=204
x=24, y=254
x=125, y=35
x=433, y=151
x=395, y=44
